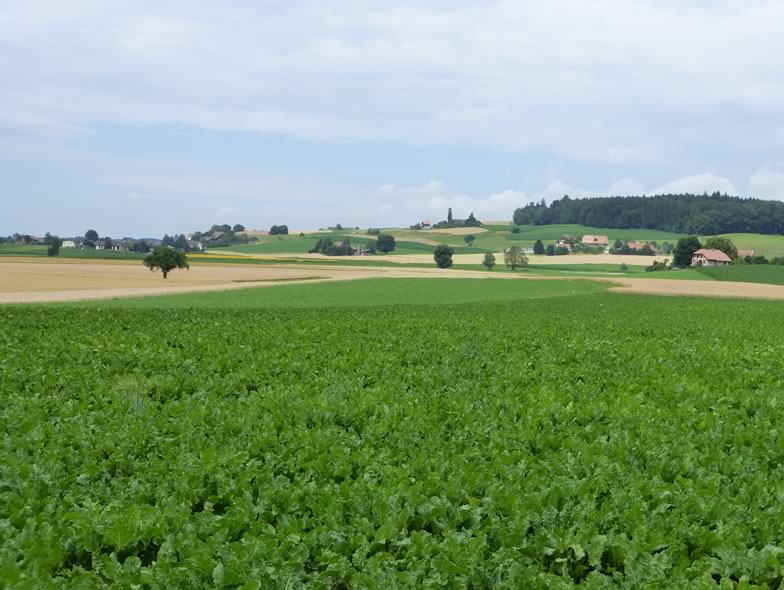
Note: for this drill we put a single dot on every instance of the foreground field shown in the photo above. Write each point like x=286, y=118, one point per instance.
x=605, y=440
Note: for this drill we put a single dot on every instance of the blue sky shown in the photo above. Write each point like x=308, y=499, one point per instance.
x=140, y=117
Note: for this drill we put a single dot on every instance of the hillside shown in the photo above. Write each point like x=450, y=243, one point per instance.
x=691, y=214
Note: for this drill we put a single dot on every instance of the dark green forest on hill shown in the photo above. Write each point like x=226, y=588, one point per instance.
x=691, y=214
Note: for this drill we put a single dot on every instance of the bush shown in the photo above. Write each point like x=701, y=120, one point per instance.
x=279, y=230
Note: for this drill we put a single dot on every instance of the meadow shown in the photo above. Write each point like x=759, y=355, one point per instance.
x=603, y=440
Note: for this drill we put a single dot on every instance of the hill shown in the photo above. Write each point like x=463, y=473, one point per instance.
x=690, y=214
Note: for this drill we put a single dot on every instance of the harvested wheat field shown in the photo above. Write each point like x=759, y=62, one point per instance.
x=34, y=281
x=37, y=281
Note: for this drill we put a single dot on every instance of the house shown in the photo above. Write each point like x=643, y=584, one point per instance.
x=194, y=245
x=564, y=244
x=596, y=241
x=745, y=254
x=426, y=224
x=639, y=246
x=707, y=257
x=70, y=244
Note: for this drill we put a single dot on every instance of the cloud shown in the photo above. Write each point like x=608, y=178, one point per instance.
x=432, y=199
x=697, y=184
x=613, y=81
x=768, y=183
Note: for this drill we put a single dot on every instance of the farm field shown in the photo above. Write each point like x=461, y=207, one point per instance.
x=368, y=293
x=531, y=443
x=748, y=273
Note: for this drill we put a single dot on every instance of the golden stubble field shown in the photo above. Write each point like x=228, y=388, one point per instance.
x=36, y=280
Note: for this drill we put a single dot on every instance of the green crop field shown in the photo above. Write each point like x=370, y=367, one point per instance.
x=747, y=273
x=603, y=440
x=364, y=293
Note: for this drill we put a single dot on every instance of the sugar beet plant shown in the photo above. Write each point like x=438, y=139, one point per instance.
x=603, y=441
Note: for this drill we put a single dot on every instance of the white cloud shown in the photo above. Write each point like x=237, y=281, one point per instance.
x=768, y=183
x=620, y=81
x=697, y=184
x=432, y=199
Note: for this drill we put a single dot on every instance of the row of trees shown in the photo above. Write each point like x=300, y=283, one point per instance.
x=681, y=213
x=384, y=243
x=514, y=257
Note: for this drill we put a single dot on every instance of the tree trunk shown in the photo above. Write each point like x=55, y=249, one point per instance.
x=165, y=273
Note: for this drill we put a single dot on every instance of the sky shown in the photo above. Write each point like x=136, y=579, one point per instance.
x=139, y=117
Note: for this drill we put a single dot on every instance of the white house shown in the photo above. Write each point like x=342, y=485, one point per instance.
x=68, y=244
x=708, y=257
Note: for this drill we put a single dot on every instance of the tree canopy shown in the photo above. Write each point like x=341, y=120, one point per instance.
x=443, y=255
x=682, y=213
x=166, y=259
x=514, y=257
x=723, y=244
x=684, y=251
x=385, y=243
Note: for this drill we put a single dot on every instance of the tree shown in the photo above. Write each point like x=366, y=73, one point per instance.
x=469, y=239
x=550, y=250
x=166, y=260
x=339, y=227
x=489, y=261
x=167, y=240
x=181, y=242
x=140, y=246
x=514, y=257
x=279, y=230
x=443, y=255
x=449, y=215
x=538, y=247
x=53, y=249
x=723, y=244
x=618, y=244
x=684, y=251
x=238, y=228
x=90, y=237
x=385, y=243
x=472, y=221
x=107, y=243
x=515, y=229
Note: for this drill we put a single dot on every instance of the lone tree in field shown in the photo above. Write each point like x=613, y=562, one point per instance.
x=469, y=239
x=550, y=250
x=385, y=243
x=538, y=247
x=489, y=261
x=514, y=257
x=443, y=255
x=166, y=259
x=684, y=251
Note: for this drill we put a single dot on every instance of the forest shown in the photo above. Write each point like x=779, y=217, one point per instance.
x=684, y=213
